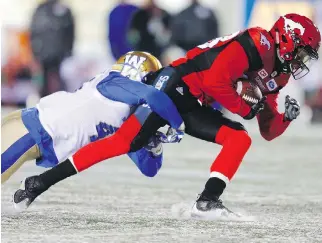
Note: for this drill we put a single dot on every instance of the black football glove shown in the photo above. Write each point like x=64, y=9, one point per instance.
x=258, y=107
x=292, y=108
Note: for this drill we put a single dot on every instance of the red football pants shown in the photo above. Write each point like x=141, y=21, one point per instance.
x=235, y=145
x=106, y=148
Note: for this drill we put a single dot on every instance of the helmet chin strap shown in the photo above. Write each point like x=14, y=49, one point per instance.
x=279, y=55
x=283, y=66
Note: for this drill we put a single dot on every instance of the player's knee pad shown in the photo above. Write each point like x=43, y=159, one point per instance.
x=242, y=138
x=235, y=145
x=228, y=134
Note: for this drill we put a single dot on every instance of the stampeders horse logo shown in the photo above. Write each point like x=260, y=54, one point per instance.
x=293, y=27
x=265, y=42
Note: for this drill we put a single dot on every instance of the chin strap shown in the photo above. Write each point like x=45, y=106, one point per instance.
x=283, y=66
x=280, y=58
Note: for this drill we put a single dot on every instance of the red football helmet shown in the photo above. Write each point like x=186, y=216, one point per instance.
x=298, y=41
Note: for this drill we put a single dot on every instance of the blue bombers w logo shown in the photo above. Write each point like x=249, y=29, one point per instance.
x=103, y=130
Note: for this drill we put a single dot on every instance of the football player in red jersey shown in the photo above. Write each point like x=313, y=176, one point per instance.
x=208, y=73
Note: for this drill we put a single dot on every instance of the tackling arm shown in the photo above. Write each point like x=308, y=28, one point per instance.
x=121, y=89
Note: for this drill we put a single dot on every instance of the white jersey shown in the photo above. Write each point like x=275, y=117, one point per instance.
x=75, y=119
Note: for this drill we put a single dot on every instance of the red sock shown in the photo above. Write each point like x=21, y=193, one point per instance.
x=235, y=145
x=106, y=148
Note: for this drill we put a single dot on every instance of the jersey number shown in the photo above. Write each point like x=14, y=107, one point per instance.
x=103, y=130
x=214, y=42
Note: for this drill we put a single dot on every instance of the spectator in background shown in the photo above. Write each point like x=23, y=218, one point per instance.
x=149, y=29
x=312, y=83
x=119, y=21
x=52, y=38
x=194, y=26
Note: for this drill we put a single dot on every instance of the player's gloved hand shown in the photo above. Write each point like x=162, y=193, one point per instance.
x=154, y=146
x=258, y=107
x=292, y=108
x=172, y=136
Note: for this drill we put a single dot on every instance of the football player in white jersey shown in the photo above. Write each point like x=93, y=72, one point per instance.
x=63, y=122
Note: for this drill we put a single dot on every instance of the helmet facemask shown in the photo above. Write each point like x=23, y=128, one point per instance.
x=297, y=42
x=303, y=59
x=299, y=61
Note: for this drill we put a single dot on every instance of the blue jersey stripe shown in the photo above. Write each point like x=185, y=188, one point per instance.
x=121, y=89
x=44, y=141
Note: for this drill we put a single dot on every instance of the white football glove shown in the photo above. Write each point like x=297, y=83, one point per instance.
x=172, y=136
x=292, y=108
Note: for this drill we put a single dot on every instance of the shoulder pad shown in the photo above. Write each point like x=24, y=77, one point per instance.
x=263, y=41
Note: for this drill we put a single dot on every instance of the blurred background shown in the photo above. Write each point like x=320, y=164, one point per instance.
x=54, y=45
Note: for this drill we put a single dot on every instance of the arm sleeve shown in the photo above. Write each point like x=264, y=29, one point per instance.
x=135, y=93
x=148, y=164
x=271, y=122
x=230, y=65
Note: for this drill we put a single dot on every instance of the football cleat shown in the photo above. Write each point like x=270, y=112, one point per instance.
x=207, y=208
x=30, y=189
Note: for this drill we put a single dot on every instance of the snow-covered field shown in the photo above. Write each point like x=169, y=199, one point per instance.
x=278, y=187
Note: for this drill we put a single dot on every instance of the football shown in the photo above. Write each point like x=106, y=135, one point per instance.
x=248, y=91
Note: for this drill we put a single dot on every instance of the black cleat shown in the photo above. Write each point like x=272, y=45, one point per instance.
x=210, y=207
x=30, y=189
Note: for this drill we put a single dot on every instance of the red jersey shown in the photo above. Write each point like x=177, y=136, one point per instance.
x=211, y=69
